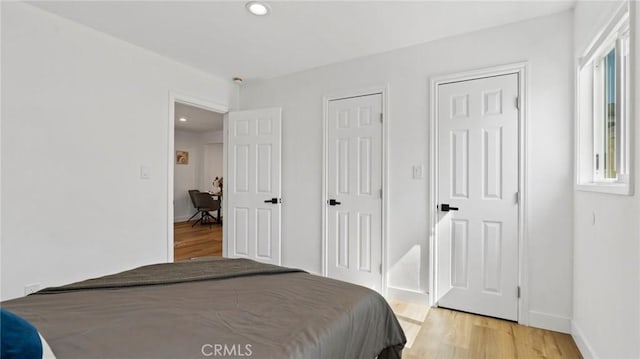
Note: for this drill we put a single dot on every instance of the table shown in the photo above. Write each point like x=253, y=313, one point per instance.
x=218, y=196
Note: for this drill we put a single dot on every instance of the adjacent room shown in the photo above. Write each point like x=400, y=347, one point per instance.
x=320, y=179
x=198, y=181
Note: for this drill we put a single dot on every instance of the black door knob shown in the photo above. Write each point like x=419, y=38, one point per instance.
x=446, y=208
x=272, y=200
x=333, y=202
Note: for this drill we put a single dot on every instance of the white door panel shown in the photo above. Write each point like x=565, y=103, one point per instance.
x=478, y=175
x=253, y=178
x=354, y=232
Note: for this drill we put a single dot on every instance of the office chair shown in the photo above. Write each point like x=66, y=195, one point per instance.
x=192, y=193
x=205, y=204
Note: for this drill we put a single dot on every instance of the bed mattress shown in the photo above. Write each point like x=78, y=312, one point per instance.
x=213, y=308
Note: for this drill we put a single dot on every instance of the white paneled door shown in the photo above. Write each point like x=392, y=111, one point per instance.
x=477, y=244
x=354, y=189
x=252, y=187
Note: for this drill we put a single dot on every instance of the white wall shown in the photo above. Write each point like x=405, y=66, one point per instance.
x=545, y=43
x=205, y=163
x=82, y=111
x=213, y=157
x=213, y=163
x=606, y=305
x=0, y=148
x=213, y=137
x=187, y=176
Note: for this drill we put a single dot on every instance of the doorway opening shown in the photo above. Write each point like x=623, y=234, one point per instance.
x=196, y=179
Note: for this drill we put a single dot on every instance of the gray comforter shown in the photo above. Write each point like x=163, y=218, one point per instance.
x=217, y=308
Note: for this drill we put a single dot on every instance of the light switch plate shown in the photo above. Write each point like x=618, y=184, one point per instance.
x=144, y=172
x=417, y=172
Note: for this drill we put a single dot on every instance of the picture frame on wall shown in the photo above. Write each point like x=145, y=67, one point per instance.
x=182, y=157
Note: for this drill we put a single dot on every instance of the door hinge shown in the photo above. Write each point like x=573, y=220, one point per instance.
x=380, y=268
x=518, y=102
x=517, y=197
x=518, y=291
x=380, y=192
x=381, y=116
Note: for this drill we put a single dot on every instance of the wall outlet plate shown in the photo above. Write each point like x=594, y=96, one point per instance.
x=31, y=288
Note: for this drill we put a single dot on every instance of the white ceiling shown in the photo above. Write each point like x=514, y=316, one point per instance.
x=198, y=120
x=222, y=38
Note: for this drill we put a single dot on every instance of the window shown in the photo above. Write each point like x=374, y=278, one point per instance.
x=603, y=110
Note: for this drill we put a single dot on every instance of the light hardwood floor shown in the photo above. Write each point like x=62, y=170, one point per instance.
x=197, y=241
x=431, y=332
x=443, y=333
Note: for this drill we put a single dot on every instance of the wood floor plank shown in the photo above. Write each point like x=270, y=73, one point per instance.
x=447, y=333
x=197, y=241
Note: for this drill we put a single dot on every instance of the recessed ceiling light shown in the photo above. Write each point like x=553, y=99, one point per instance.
x=182, y=119
x=258, y=8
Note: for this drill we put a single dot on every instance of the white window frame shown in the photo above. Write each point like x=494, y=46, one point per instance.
x=590, y=125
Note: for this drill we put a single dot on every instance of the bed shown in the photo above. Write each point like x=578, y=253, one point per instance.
x=213, y=308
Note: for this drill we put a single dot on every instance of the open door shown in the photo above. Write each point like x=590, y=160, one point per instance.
x=253, y=188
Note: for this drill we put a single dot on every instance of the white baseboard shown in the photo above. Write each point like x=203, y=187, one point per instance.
x=407, y=295
x=181, y=219
x=581, y=341
x=548, y=321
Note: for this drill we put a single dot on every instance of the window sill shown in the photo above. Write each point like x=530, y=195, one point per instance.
x=623, y=189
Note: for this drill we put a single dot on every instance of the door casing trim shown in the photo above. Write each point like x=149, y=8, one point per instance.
x=374, y=90
x=522, y=70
